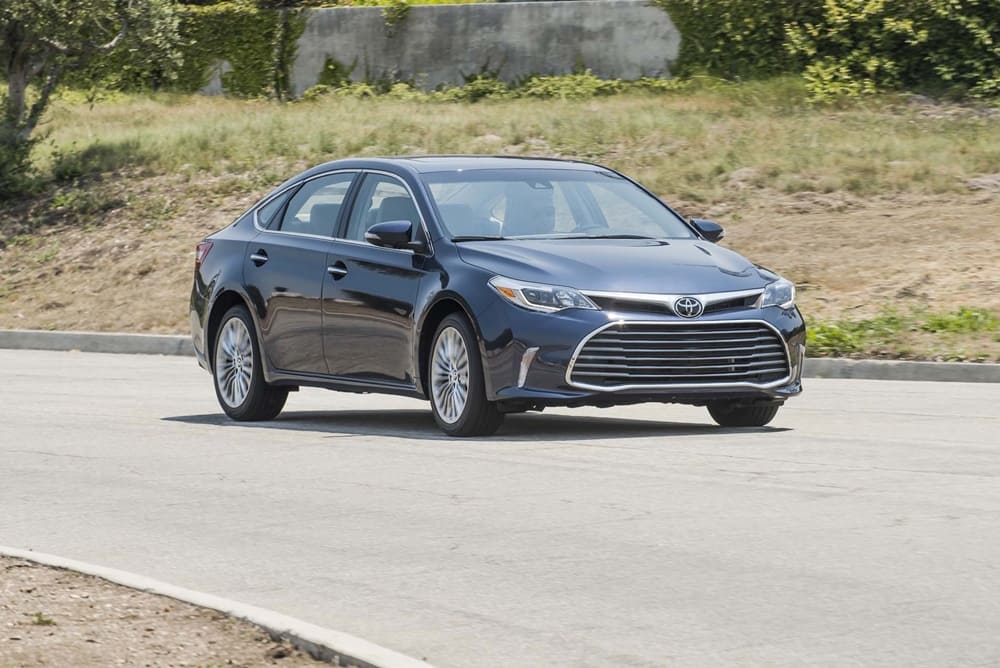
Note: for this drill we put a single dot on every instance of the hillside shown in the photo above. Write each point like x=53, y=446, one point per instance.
x=883, y=213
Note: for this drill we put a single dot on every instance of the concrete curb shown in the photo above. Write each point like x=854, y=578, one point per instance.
x=321, y=643
x=96, y=342
x=941, y=372
x=816, y=367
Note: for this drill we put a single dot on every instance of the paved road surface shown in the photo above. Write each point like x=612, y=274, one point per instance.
x=864, y=529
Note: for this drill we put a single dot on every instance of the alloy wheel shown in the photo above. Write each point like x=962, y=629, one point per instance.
x=234, y=362
x=450, y=375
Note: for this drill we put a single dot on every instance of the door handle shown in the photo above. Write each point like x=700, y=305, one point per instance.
x=337, y=270
x=259, y=258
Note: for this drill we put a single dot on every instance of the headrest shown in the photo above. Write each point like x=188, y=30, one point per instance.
x=323, y=218
x=398, y=208
x=528, y=211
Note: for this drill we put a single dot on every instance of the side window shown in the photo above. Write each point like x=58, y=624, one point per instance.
x=315, y=207
x=266, y=214
x=380, y=198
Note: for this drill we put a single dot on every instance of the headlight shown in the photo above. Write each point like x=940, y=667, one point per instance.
x=538, y=297
x=780, y=293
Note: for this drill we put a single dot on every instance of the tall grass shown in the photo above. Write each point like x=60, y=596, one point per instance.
x=686, y=144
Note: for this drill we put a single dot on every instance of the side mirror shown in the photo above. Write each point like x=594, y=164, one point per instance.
x=393, y=234
x=709, y=229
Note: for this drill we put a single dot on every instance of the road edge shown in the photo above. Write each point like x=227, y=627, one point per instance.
x=815, y=367
x=321, y=643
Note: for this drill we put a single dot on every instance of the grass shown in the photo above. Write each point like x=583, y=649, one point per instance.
x=686, y=144
x=892, y=334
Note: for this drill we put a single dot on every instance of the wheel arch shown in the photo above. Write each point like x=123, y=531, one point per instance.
x=442, y=307
x=224, y=301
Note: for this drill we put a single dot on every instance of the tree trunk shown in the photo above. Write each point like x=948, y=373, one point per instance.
x=17, y=76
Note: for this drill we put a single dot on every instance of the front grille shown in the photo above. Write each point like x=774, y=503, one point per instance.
x=651, y=354
x=735, y=303
x=622, y=305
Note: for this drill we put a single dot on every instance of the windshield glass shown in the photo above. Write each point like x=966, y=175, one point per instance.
x=549, y=203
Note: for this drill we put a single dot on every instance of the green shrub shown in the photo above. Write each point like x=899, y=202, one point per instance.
x=569, y=86
x=479, y=87
x=831, y=340
x=258, y=45
x=17, y=173
x=845, y=48
x=738, y=39
x=886, y=330
x=963, y=321
x=578, y=86
x=862, y=46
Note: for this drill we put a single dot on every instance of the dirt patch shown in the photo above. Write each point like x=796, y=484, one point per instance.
x=129, y=268
x=52, y=617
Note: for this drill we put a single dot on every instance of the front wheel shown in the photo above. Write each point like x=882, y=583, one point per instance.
x=456, y=382
x=732, y=414
x=239, y=374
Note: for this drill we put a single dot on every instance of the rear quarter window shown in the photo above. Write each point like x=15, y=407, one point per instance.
x=268, y=214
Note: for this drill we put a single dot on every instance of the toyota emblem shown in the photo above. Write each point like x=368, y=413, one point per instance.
x=688, y=307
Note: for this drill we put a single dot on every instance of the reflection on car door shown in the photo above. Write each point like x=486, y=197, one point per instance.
x=286, y=265
x=368, y=300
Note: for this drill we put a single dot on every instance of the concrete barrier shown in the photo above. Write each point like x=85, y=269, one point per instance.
x=442, y=44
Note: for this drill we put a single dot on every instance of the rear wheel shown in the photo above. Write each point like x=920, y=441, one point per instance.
x=456, y=382
x=238, y=373
x=732, y=414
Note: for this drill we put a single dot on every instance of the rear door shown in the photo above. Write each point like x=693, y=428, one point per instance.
x=286, y=265
x=369, y=298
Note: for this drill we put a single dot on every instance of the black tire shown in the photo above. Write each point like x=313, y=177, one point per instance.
x=731, y=414
x=261, y=401
x=479, y=417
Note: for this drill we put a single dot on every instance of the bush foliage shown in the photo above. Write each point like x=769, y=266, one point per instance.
x=256, y=45
x=846, y=48
x=842, y=48
x=578, y=86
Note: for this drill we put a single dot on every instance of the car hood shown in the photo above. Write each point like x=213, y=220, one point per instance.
x=677, y=266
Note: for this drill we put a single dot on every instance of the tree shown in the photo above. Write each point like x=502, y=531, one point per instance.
x=42, y=40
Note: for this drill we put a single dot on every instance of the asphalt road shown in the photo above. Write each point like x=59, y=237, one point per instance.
x=862, y=529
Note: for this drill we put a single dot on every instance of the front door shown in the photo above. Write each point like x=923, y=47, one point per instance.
x=370, y=292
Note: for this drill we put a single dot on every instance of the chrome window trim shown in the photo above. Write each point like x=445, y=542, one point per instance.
x=678, y=386
x=668, y=300
x=353, y=170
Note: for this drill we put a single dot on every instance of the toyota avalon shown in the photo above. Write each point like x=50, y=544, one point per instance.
x=488, y=286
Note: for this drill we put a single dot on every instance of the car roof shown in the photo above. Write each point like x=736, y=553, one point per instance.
x=445, y=163
x=448, y=163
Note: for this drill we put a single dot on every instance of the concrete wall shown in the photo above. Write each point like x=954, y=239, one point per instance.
x=438, y=44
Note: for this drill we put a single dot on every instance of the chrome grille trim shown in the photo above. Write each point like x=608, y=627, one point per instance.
x=762, y=354
x=668, y=300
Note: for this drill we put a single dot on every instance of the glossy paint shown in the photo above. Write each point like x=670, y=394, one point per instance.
x=367, y=326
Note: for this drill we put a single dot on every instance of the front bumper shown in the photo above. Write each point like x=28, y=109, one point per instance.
x=529, y=356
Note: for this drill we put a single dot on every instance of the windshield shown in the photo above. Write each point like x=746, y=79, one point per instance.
x=550, y=204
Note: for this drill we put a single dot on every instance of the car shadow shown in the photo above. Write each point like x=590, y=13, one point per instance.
x=420, y=425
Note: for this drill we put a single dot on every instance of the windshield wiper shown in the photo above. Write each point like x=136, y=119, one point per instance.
x=611, y=236
x=474, y=237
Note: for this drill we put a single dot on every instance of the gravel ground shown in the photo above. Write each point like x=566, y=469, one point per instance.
x=52, y=617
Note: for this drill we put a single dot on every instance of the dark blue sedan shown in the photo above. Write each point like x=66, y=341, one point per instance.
x=488, y=286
